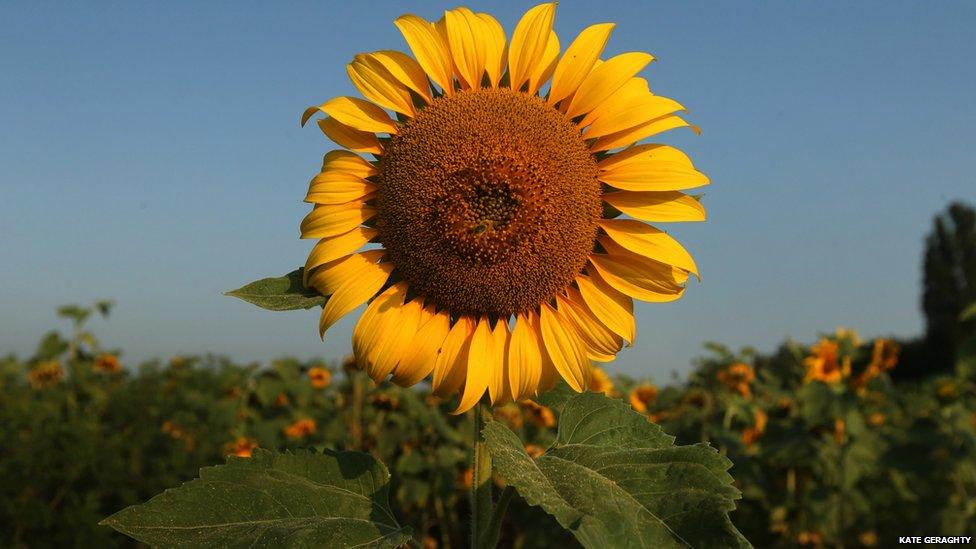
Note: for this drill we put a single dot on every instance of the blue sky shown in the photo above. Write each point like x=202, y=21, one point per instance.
x=151, y=154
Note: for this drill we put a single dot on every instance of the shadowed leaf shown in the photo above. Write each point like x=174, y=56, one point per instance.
x=284, y=293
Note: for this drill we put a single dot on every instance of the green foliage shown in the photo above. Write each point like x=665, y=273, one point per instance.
x=301, y=499
x=283, y=293
x=616, y=480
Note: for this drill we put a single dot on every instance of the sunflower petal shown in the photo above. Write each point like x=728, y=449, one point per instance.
x=407, y=71
x=529, y=42
x=578, y=60
x=632, y=90
x=495, y=42
x=565, y=348
x=398, y=327
x=547, y=64
x=480, y=364
x=606, y=79
x=369, y=279
x=419, y=358
x=648, y=241
x=332, y=248
x=655, y=168
x=449, y=367
x=359, y=114
x=429, y=48
x=376, y=83
x=602, y=345
x=524, y=359
x=667, y=206
x=637, y=276
x=366, y=336
x=614, y=309
x=334, y=187
x=633, y=135
x=548, y=374
x=350, y=138
x=335, y=219
x=348, y=162
x=498, y=384
x=339, y=272
x=467, y=39
x=632, y=113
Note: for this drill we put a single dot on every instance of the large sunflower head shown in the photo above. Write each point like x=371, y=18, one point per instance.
x=502, y=208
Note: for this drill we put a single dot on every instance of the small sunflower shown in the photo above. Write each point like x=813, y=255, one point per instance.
x=642, y=396
x=108, y=364
x=319, y=377
x=825, y=363
x=505, y=223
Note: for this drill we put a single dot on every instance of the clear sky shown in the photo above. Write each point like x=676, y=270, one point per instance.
x=150, y=152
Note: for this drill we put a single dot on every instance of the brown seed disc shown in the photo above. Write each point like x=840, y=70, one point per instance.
x=488, y=202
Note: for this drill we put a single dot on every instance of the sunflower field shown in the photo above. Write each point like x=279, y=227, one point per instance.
x=827, y=450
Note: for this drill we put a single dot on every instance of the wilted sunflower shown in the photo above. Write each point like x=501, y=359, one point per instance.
x=503, y=260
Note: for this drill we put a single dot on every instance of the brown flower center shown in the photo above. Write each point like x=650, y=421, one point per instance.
x=488, y=202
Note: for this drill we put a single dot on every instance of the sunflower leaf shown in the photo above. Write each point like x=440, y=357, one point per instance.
x=284, y=293
x=300, y=499
x=613, y=479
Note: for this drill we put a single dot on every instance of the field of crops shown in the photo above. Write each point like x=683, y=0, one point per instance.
x=827, y=450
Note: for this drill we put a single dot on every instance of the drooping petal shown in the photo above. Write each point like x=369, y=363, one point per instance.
x=467, y=39
x=498, y=384
x=524, y=359
x=358, y=114
x=398, y=327
x=450, y=366
x=350, y=138
x=495, y=44
x=613, y=308
x=366, y=336
x=648, y=241
x=601, y=343
x=605, y=79
x=637, y=276
x=547, y=64
x=633, y=135
x=376, y=83
x=548, y=375
x=335, y=187
x=635, y=112
x=334, y=247
x=335, y=274
x=565, y=348
x=335, y=219
x=667, y=206
x=529, y=42
x=353, y=292
x=348, y=162
x=651, y=168
x=578, y=60
x=479, y=366
x=407, y=71
x=419, y=358
x=429, y=48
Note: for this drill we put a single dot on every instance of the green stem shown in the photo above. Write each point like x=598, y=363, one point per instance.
x=481, y=504
x=489, y=539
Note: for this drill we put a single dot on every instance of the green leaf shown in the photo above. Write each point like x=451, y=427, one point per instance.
x=301, y=499
x=285, y=293
x=969, y=312
x=613, y=479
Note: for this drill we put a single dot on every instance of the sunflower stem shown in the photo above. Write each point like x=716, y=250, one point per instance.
x=481, y=501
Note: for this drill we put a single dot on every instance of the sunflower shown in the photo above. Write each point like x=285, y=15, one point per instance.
x=503, y=209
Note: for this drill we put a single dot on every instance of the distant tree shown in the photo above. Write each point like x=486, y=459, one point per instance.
x=950, y=284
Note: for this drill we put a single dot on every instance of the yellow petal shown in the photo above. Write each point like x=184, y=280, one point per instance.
x=480, y=363
x=467, y=37
x=565, y=348
x=348, y=162
x=547, y=64
x=529, y=42
x=419, y=357
x=365, y=336
x=524, y=359
x=334, y=247
x=578, y=60
x=359, y=114
x=350, y=138
x=637, y=276
x=652, y=171
x=668, y=206
x=450, y=366
x=369, y=279
x=602, y=345
x=633, y=135
x=548, y=375
x=429, y=49
x=334, y=187
x=379, y=86
x=498, y=384
x=633, y=89
x=606, y=79
x=632, y=113
x=648, y=241
x=407, y=71
x=614, y=309
x=495, y=43
x=335, y=219
x=335, y=274
x=398, y=327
